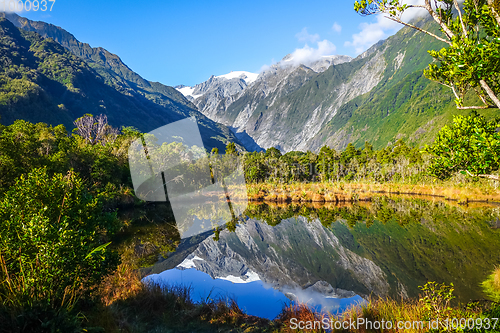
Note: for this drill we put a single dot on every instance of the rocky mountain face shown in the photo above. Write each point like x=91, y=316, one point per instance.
x=104, y=84
x=215, y=97
x=289, y=103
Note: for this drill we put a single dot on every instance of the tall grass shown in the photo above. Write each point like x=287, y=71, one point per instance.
x=28, y=304
x=492, y=285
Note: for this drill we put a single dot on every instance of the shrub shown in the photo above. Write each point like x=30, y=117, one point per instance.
x=52, y=244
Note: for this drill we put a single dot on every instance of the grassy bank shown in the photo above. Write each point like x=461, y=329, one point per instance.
x=482, y=191
x=128, y=305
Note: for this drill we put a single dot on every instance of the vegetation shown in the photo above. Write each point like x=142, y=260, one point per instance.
x=471, y=60
x=471, y=145
x=59, y=195
x=492, y=285
x=52, y=249
x=394, y=162
x=432, y=312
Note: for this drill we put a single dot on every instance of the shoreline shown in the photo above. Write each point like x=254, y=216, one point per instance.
x=354, y=192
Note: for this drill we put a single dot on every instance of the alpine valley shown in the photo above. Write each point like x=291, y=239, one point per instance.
x=380, y=96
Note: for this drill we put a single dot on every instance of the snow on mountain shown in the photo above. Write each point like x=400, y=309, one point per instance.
x=199, y=90
x=248, y=77
x=187, y=92
x=247, y=278
x=318, y=65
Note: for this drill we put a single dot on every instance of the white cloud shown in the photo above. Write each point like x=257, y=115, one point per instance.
x=308, y=54
x=371, y=33
x=337, y=27
x=266, y=67
x=304, y=36
x=382, y=28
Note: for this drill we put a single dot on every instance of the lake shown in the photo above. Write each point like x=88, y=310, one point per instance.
x=327, y=256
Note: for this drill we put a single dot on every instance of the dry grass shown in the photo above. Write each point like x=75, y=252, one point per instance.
x=284, y=197
x=300, y=313
x=496, y=279
x=376, y=310
x=124, y=283
x=351, y=192
x=317, y=198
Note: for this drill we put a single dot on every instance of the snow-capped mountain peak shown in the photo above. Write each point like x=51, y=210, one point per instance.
x=199, y=90
x=248, y=77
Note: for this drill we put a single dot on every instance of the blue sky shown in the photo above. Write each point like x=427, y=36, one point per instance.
x=184, y=42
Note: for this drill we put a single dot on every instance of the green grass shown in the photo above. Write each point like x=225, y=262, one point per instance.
x=491, y=285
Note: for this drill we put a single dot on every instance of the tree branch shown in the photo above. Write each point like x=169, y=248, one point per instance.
x=491, y=3
x=481, y=95
x=483, y=176
x=395, y=19
x=490, y=93
x=455, y=2
x=436, y=18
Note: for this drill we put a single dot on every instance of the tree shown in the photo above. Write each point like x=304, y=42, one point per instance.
x=470, y=146
x=231, y=149
x=272, y=153
x=95, y=130
x=24, y=146
x=472, y=59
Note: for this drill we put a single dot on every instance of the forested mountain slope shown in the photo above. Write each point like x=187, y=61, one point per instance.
x=41, y=81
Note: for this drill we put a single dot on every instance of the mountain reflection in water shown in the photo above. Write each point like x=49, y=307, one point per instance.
x=331, y=256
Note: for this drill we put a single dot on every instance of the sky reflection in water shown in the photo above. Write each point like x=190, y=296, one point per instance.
x=255, y=298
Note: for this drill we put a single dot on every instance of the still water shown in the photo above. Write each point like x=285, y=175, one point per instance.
x=326, y=256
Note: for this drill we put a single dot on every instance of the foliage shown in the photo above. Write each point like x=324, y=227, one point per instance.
x=231, y=149
x=471, y=145
x=491, y=285
x=396, y=162
x=436, y=300
x=53, y=248
x=471, y=61
x=24, y=146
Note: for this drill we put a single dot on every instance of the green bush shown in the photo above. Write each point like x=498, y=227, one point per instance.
x=53, y=248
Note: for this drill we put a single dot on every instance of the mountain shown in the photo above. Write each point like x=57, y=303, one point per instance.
x=49, y=76
x=381, y=96
x=214, y=97
x=295, y=255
